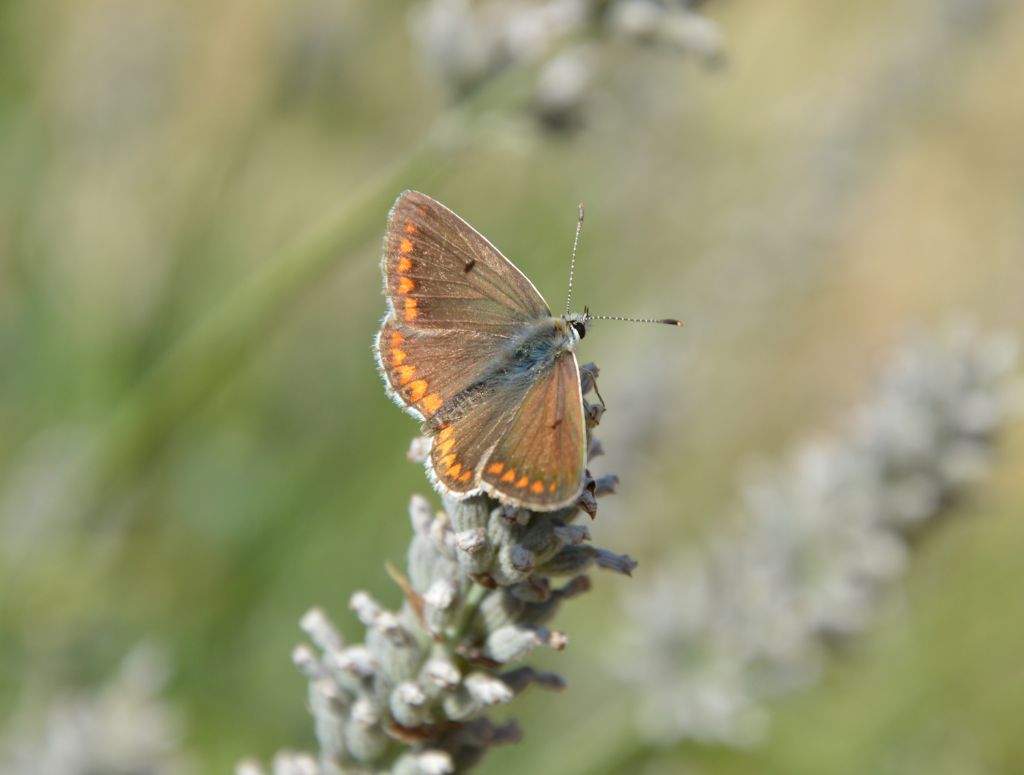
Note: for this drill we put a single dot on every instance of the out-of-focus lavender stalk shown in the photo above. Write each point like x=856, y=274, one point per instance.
x=717, y=633
x=413, y=696
x=467, y=42
x=121, y=728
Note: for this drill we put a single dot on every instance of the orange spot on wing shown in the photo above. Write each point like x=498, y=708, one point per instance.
x=552, y=487
x=417, y=389
x=405, y=246
x=495, y=468
x=410, y=309
x=537, y=487
x=410, y=228
x=453, y=472
x=398, y=356
x=445, y=433
x=466, y=476
x=405, y=374
x=405, y=285
x=444, y=446
x=509, y=475
x=523, y=481
x=404, y=264
x=397, y=338
x=432, y=403
x=447, y=461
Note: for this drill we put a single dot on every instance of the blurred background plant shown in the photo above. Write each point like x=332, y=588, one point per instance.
x=122, y=727
x=715, y=634
x=195, y=445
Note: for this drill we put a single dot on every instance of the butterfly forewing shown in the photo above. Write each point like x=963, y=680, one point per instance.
x=427, y=369
x=540, y=457
x=441, y=274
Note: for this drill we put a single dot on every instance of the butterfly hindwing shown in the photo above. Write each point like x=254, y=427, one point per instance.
x=540, y=456
x=460, y=446
x=441, y=274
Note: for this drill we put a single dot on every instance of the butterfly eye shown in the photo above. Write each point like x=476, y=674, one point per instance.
x=579, y=328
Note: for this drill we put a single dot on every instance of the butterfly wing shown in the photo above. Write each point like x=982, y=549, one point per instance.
x=524, y=444
x=440, y=274
x=540, y=456
x=454, y=302
x=424, y=370
x=460, y=446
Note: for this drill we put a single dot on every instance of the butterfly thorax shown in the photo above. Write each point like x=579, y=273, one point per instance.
x=542, y=343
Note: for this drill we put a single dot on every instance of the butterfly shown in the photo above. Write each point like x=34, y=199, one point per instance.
x=470, y=347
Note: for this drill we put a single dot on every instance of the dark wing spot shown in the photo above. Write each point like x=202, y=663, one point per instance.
x=470, y=263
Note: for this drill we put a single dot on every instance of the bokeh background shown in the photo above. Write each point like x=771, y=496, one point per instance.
x=195, y=446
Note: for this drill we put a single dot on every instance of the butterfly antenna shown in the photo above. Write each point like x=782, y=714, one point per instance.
x=572, y=262
x=663, y=321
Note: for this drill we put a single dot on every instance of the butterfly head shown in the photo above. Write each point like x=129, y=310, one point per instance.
x=577, y=324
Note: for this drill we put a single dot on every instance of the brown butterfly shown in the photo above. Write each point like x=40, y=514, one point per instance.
x=470, y=347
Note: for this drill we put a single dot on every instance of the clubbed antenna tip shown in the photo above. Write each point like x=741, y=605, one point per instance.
x=663, y=321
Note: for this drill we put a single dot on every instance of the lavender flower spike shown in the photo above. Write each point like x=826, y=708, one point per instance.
x=412, y=699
